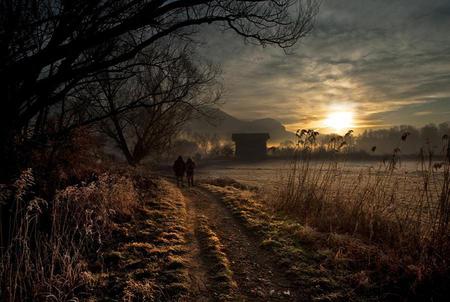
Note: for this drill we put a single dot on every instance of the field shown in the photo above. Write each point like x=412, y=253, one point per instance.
x=267, y=231
x=407, y=179
x=267, y=172
x=391, y=217
x=411, y=189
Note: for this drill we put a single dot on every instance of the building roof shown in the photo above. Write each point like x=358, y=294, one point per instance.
x=250, y=136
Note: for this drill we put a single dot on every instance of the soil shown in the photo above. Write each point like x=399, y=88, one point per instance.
x=254, y=269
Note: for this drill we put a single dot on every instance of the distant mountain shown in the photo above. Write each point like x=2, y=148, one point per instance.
x=222, y=124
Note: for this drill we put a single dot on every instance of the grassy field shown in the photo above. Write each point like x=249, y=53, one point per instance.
x=311, y=231
x=332, y=265
x=381, y=229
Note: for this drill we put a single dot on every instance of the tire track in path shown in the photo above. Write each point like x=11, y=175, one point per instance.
x=254, y=269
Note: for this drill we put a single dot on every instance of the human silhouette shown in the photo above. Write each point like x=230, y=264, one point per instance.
x=179, y=167
x=190, y=167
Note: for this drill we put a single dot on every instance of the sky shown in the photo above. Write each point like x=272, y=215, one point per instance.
x=385, y=62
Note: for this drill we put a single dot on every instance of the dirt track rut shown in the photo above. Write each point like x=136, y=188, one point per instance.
x=254, y=269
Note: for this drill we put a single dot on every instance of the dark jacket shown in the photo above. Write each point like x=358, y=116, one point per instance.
x=190, y=166
x=179, y=167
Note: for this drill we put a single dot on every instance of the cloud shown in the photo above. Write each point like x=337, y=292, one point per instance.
x=376, y=58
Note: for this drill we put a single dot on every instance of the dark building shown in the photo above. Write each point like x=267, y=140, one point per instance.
x=250, y=146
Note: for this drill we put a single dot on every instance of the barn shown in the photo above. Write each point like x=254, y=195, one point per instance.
x=250, y=146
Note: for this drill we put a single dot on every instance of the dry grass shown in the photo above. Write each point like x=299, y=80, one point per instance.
x=392, y=226
x=45, y=257
x=146, y=259
x=285, y=238
x=408, y=215
x=220, y=271
x=333, y=264
x=228, y=182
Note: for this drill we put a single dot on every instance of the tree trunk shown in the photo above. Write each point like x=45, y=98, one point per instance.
x=122, y=142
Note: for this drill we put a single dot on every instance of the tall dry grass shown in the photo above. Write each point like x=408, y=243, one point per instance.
x=44, y=258
x=406, y=213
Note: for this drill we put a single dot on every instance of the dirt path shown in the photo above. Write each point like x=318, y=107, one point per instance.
x=254, y=269
x=198, y=272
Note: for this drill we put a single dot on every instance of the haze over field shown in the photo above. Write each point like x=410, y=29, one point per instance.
x=219, y=123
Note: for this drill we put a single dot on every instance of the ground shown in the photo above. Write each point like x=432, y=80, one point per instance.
x=253, y=270
x=206, y=243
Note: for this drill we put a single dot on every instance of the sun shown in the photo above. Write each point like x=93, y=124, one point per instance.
x=339, y=121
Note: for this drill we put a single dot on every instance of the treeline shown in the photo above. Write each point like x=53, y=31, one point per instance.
x=408, y=141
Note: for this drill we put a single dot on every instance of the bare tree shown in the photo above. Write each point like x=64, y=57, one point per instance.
x=48, y=47
x=166, y=94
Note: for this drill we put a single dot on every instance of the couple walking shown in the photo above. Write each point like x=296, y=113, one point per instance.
x=180, y=168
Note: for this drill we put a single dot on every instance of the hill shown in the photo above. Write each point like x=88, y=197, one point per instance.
x=222, y=124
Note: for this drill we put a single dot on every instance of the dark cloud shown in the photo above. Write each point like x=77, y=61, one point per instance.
x=382, y=59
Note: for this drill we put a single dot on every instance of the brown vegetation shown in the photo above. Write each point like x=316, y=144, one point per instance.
x=401, y=212
x=219, y=266
x=145, y=260
x=121, y=235
x=383, y=232
x=288, y=241
x=49, y=240
x=328, y=266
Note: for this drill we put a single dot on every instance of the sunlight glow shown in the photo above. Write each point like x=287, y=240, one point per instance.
x=339, y=121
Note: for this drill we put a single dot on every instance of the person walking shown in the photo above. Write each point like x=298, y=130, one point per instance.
x=179, y=167
x=190, y=166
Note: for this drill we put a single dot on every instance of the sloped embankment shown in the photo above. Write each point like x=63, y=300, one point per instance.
x=145, y=258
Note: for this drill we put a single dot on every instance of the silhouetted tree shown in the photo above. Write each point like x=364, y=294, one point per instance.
x=49, y=47
x=166, y=93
